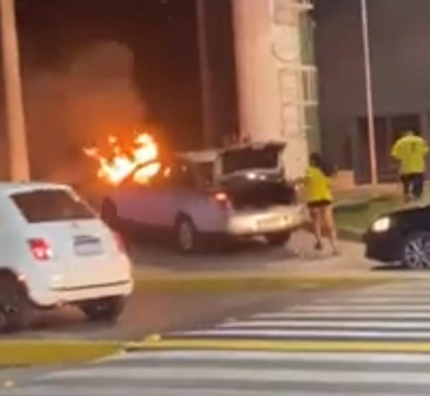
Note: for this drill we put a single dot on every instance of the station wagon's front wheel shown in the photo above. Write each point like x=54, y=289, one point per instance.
x=186, y=235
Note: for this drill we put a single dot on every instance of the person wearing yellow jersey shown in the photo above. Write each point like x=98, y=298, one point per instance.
x=410, y=151
x=319, y=198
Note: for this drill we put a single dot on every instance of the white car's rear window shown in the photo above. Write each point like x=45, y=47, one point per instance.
x=51, y=205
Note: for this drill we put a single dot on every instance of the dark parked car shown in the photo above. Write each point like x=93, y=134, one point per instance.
x=401, y=236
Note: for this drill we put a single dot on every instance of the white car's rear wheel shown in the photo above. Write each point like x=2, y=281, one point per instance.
x=16, y=309
x=186, y=235
x=106, y=309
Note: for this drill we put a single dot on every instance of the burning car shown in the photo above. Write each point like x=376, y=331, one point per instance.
x=205, y=198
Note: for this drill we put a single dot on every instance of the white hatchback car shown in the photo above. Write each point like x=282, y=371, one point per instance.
x=55, y=251
x=206, y=198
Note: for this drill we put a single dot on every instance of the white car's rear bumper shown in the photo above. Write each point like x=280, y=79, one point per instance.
x=69, y=295
x=272, y=220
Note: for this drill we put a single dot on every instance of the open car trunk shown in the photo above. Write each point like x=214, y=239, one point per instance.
x=260, y=194
x=264, y=157
x=253, y=176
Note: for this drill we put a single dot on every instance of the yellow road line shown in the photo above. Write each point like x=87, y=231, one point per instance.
x=152, y=343
x=260, y=283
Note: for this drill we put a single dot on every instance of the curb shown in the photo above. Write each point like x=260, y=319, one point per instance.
x=29, y=353
x=360, y=203
x=152, y=343
x=351, y=206
x=258, y=283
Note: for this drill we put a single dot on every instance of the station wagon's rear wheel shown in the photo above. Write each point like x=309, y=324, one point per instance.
x=16, y=309
x=416, y=251
x=106, y=309
x=278, y=239
x=186, y=235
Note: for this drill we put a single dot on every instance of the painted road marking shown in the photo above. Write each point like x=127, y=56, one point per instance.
x=360, y=307
x=216, y=373
x=343, y=315
x=317, y=334
x=221, y=355
x=364, y=324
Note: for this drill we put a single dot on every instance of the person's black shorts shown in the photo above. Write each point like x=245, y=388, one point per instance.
x=413, y=184
x=319, y=204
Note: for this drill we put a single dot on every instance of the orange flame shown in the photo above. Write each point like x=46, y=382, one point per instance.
x=120, y=163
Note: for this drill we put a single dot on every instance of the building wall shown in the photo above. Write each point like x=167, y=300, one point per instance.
x=272, y=77
x=399, y=31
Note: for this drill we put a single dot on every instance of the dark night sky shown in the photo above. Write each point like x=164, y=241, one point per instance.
x=161, y=33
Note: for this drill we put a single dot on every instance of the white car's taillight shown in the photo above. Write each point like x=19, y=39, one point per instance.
x=40, y=249
x=120, y=245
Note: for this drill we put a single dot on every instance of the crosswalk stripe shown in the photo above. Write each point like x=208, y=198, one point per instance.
x=343, y=315
x=317, y=334
x=361, y=307
x=409, y=291
x=196, y=374
x=395, y=300
x=194, y=391
x=389, y=325
x=196, y=355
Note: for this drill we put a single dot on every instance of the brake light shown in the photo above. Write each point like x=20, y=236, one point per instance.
x=119, y=242
x=222, y=199
x=40, y=249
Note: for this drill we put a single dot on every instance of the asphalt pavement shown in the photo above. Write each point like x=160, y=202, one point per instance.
x=248, y=256
x=370, y=342
x=162, y=311
x=152, y=312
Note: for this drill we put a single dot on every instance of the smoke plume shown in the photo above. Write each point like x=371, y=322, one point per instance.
x=80, y=105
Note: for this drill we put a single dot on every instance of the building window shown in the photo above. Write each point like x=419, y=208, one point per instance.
x=309, y=84
x=307, y=38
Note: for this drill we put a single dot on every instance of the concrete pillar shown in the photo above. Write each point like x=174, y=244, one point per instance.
x=19, y=161
x=269, y=76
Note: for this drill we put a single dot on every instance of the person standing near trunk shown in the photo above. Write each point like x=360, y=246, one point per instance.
x=319, y=198
x=410, y=151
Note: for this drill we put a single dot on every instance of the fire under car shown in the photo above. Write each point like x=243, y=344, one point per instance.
x=204, y=199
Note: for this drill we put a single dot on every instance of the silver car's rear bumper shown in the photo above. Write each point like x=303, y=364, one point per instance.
x=265, y=221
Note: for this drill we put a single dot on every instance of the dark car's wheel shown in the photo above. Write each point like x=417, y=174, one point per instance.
x=278, y=239
x=185, y=235
x=16, y=310
x=106, y=309
x=416, y=251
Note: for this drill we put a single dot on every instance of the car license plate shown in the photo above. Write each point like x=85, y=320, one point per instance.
x=87, y=246
x=273, y=222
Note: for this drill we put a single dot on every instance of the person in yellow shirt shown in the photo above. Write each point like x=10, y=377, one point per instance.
x=319, y=198
x=410, y=151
